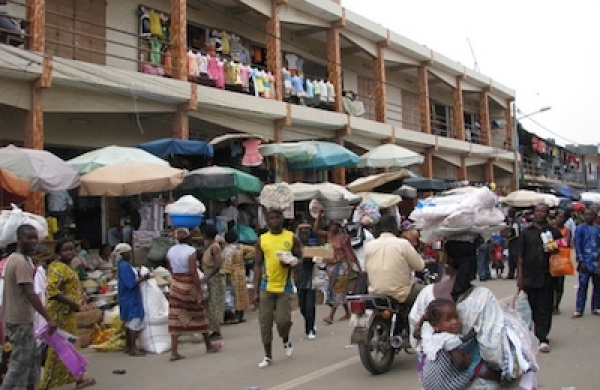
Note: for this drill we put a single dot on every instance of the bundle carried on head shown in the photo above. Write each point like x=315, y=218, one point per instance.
x=278, y=196
x=187, y=204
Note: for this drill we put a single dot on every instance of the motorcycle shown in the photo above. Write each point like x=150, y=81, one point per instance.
x=381, y=327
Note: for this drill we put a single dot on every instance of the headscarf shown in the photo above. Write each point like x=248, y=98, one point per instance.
x=119, y=250
x=181, y=234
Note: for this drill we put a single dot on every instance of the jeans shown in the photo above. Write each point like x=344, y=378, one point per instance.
x=306, y=301
x=541, y=301
x=584, y=281
x=483, y=265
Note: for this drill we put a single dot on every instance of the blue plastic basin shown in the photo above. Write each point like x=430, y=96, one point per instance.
x=186, y=220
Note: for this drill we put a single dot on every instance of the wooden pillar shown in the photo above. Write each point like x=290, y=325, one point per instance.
x=34, y=128
x=427, y=166
x=509, y=125
x=179, y=39
x=459, y=117
x=484, y=117
x=380, y=87
x=489, y=171
x=463, y=170
x=36, y=31
x=424, y=109
x=338, y=175
x=274, y=60
x=181, y=120
x=334, y=62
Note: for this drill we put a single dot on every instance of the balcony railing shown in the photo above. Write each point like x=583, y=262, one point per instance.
x=538, y=167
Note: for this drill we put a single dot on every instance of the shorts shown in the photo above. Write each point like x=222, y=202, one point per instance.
x=135, y=324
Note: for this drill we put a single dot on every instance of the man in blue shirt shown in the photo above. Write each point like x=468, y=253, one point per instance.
x=587, y=240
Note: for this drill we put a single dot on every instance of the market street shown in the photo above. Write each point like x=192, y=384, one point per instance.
x=328, y=361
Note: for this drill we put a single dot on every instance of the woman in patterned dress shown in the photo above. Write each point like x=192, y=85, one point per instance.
x=234, y=266
x=64, y=299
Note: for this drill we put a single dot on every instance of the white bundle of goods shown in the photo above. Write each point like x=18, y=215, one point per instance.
x=155, y=337
x=10, y=220
x=277, y=196
x=442, y=216
x=187, y=204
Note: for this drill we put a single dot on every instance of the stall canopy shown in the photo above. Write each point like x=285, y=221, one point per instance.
x=217, y=182
x=389, y=156
x=381, y=182
x=381, y=200
x=165, y=147
x=130, y=178
x=12, y=188
x=112, y=155
x=329, y=156
x=523, y=198
x=43, y=170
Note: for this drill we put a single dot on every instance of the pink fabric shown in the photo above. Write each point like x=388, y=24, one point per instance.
x=75, y=362
x=220, y=80
x=192, y=64
x=252, y=156
x=213, y=67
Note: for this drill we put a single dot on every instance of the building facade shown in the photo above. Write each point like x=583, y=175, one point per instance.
x=85, y=74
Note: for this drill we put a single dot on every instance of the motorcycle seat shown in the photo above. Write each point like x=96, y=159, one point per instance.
x=379, y=301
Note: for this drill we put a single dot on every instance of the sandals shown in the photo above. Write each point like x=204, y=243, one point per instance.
x=576, y=315
x=174, y=358
x=345, y=317
x=85, y=383
x=216, y=347
x=328, y=320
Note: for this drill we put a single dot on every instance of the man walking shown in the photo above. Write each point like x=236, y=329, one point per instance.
x=587, y=240
x=19, y=301
x=273, y=284
x=533, y=274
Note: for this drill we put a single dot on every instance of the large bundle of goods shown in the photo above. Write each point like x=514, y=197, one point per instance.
x=10, y=220
x=277, y=196
x=443, y=216
x=187, y=211
x=87, y=323
x=155, y=337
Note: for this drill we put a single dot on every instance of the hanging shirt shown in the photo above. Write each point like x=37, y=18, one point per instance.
x=252, y=156
x=155, y=51
x=192, y=64
x=202, y=64
x=213, y=67
x=225, y=43
x=155, y=25
x=291, y=60
x=310, y=89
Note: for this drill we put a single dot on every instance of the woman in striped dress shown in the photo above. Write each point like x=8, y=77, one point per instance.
x=186, y=311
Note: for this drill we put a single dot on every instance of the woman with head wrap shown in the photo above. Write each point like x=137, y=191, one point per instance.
x=215, y=279
x=234, y=266
x=477, y=307
x=131, y=307
x=186, y=310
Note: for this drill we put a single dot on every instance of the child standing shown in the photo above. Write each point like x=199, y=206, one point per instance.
x=497, y=254
x=447, y=364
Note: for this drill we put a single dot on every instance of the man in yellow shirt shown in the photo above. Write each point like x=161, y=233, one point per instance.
x=390, y=261
x=273, y=287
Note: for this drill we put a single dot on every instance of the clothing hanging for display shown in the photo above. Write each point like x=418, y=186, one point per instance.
x=252, y=156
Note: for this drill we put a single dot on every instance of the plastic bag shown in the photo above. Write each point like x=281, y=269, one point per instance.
x=10, y=220
x=61, y=342
x=155, y=337
x=560, y=263
x=520, y=304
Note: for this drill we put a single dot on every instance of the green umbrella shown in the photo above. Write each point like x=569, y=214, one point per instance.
x=217, y=182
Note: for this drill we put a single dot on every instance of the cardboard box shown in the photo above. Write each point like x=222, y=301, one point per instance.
x=313, y=251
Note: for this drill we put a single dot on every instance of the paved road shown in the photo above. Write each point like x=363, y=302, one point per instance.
x=328, y=362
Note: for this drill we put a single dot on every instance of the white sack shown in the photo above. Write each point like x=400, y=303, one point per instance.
x=155, y=339
x=10, y=220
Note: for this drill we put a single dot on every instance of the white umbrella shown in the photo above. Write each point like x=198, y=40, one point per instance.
x=523, y=198
x=389, y=156
x=590, y=197
x=110, y=155
x=292, y=151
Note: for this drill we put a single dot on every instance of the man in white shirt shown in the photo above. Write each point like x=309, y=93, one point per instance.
x=59, y=203
x=390, y=262
x=230, y=213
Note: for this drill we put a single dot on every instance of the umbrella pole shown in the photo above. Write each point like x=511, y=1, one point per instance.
x=103, y=218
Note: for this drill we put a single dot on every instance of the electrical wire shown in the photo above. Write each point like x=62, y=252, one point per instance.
x=552, y=132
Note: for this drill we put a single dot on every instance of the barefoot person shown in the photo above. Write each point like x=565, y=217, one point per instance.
x=131, y=307
x=186, y=310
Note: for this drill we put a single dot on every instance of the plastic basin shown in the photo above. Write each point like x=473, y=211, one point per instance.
x=186, y=220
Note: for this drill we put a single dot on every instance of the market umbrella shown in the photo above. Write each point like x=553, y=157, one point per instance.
x=329, y=156
x=130, y=178
x=523, y=198
x=165, y=147
x=291, y=151
x=380, y=182
x=406, y=192
x=383, y=201
x=112, y=155
x=234, y=136
x=590, y=197
x=425, y=184
x=12, y=188
x=389, y=156
x=328, y=191
x=44, y=170
x=217, y=182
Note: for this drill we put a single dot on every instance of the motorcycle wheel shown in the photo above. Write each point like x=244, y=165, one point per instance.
x=376, y=352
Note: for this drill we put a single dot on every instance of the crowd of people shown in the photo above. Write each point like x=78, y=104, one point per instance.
x=445, y=317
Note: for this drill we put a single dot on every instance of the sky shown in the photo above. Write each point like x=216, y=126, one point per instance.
x=547, y=51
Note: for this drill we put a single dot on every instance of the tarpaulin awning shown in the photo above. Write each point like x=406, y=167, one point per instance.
x=168, y=146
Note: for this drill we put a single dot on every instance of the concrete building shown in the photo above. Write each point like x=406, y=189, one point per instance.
x=86, y=74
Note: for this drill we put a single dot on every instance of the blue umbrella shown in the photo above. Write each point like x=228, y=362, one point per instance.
x=329, y=156
x=168, y=146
